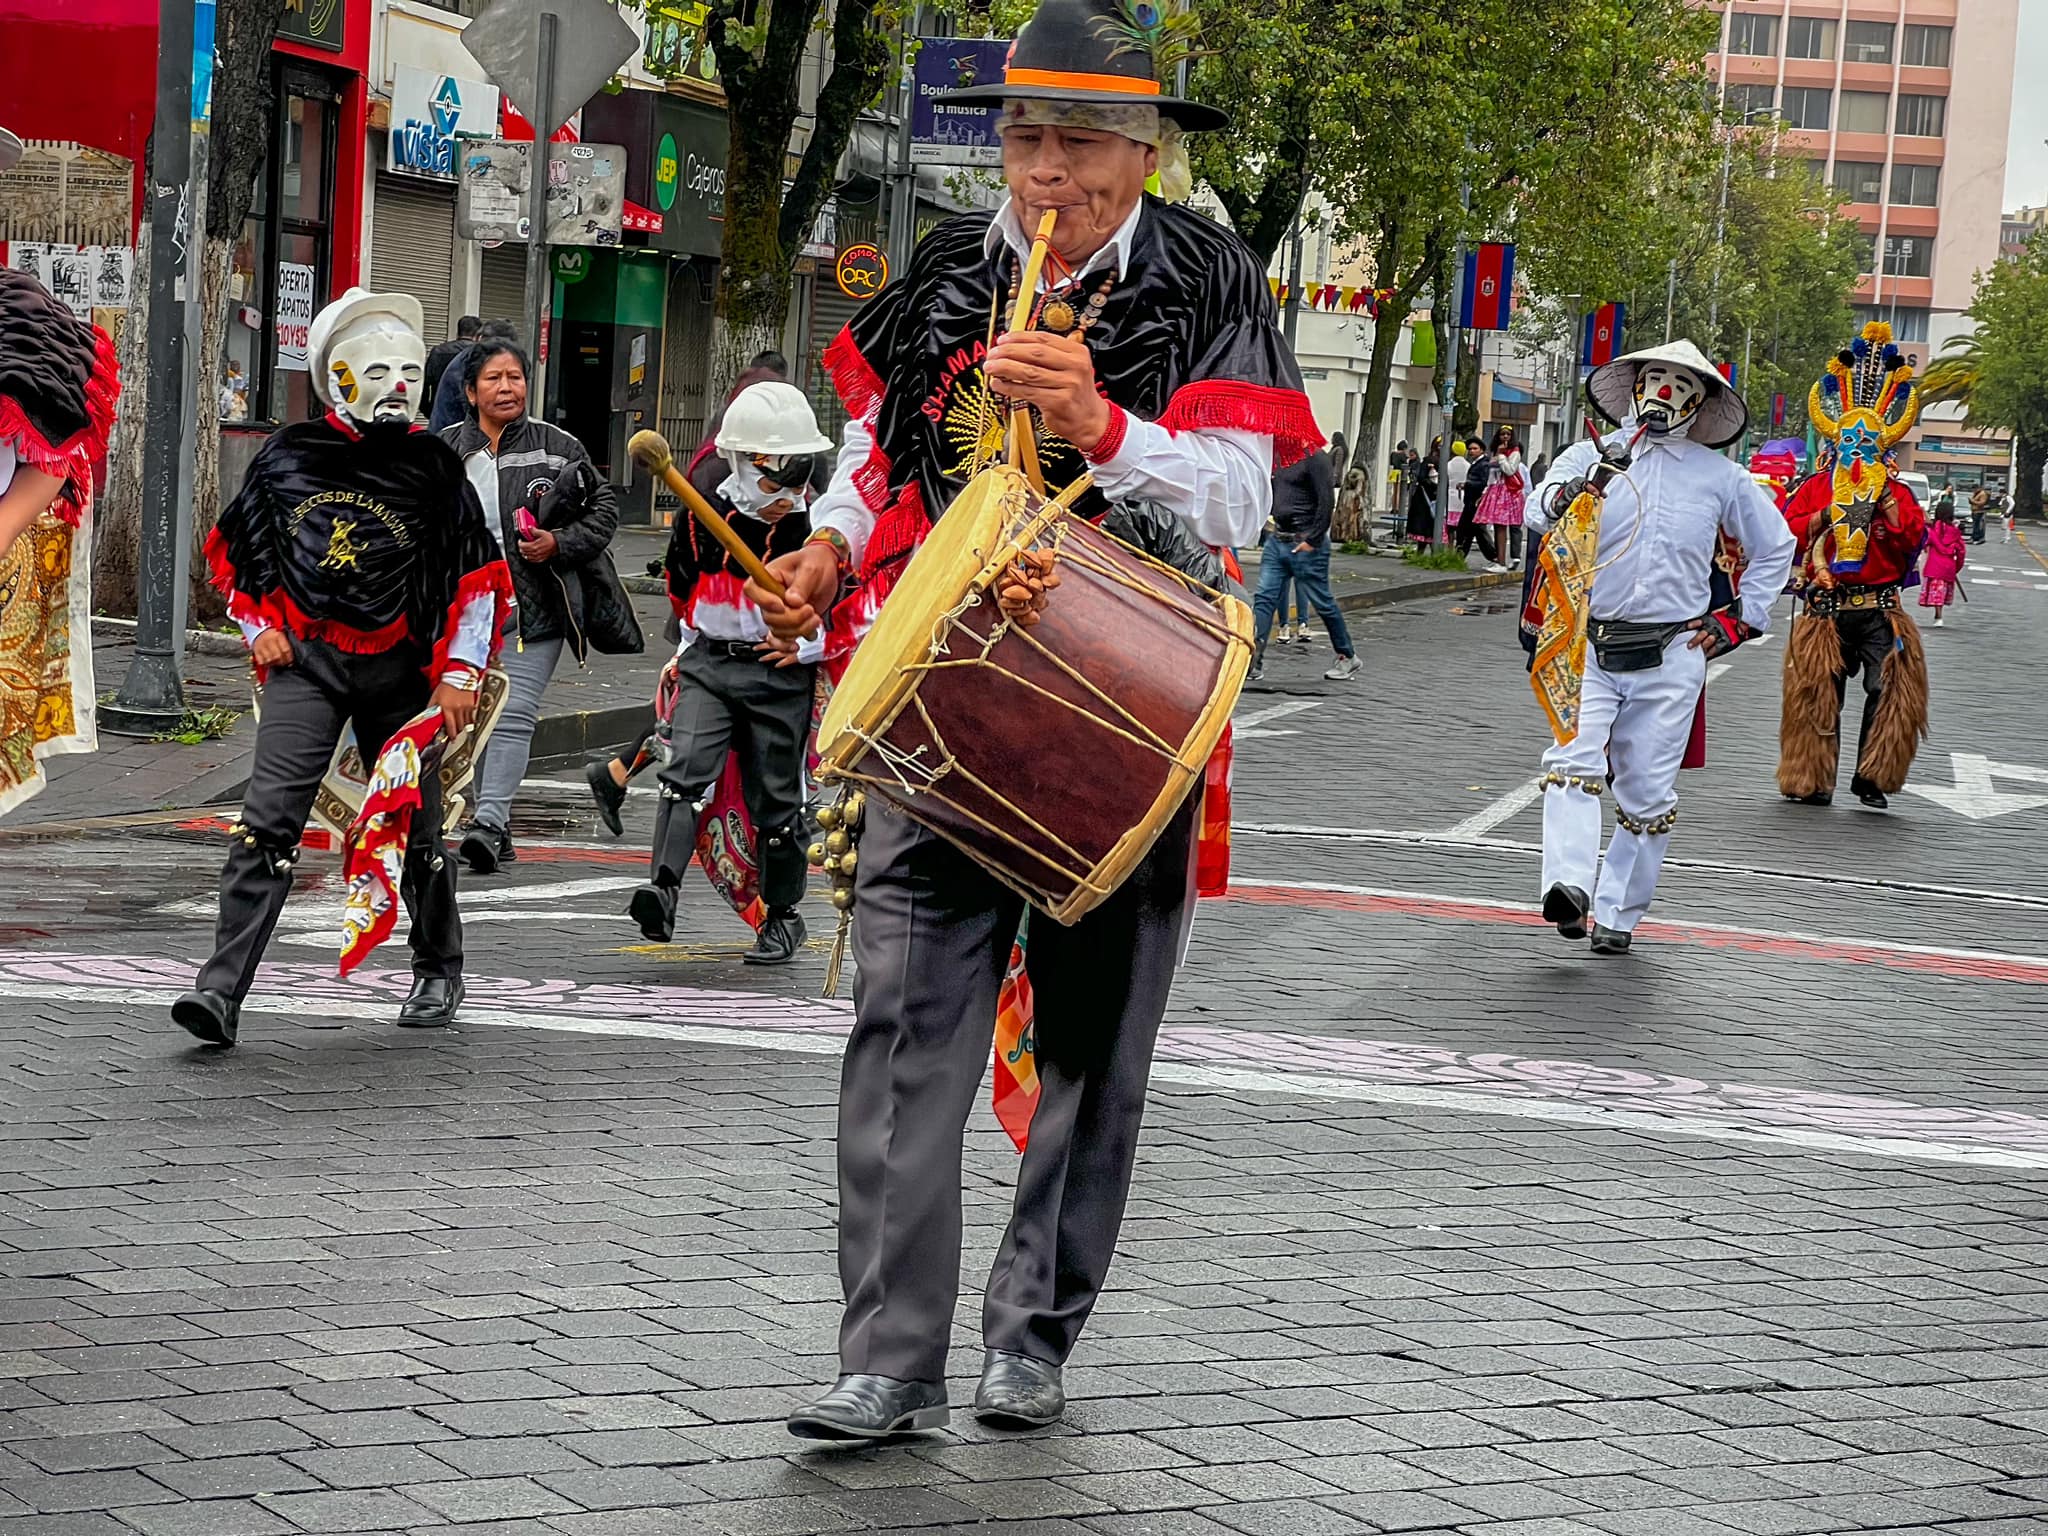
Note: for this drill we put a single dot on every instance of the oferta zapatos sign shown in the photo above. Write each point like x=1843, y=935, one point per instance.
x=431, y=114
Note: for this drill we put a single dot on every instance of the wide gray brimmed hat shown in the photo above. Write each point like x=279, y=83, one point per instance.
x=1722, y=415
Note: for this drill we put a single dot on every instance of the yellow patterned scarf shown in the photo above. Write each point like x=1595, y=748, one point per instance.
x=1563, y=596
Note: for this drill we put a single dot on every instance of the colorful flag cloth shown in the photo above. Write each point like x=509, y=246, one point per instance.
x=373, y=857
x=1600, y=343
x=1488, y=298
x=340, y=797
x=1560, y=602
x=1016, y=1056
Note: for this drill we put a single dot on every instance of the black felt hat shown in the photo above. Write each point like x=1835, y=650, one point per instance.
x=1092, y=50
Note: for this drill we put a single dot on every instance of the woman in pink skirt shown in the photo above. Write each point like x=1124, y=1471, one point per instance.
x=1946, y=553
x=1501, y=505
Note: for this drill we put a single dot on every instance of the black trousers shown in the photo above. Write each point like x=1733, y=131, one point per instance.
x=1469, y=529
x=931, y=937
x=738, y=703
x=1866, y=641
x=304, y=708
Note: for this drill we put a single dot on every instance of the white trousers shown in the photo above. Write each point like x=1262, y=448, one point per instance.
x=1634, y=727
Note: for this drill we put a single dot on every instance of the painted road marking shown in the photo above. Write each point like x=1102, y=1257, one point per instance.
x=1507, y=806
x=1247, y=727
x=1973, y=794
x=1414, y=1076
x=1390, y=837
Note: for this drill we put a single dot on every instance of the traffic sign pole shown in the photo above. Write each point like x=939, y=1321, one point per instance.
x=540, y=282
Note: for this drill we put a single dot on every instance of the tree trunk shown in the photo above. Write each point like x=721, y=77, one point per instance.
x=216, y=262
x=1379, y=383
x=754, y=278
x=117, y=520
x=2030, y=456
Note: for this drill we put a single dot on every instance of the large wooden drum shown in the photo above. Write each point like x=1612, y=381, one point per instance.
x=1054, y=755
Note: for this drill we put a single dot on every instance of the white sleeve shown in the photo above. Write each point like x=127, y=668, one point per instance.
x=251, y=631
x=471, y=642
x=1766, y=539
x=1219, y=479
x=1573, y=463
x=842, y=508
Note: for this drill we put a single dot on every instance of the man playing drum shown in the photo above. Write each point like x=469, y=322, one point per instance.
x=1155, y=361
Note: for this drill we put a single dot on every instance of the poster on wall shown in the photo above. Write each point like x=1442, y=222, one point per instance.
x=945, y=135
x=294, y=314
x=586, y=193
x=87, y=279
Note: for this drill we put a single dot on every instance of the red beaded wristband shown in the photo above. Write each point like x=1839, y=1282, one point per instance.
x=1112, y=438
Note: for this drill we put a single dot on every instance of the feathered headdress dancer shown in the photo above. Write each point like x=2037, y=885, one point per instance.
x=1863, y=406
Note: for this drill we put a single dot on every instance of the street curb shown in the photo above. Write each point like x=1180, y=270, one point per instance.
x=208, y=642
x=1446, y=586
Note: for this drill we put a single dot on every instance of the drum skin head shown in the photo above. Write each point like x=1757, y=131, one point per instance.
x=962, y=546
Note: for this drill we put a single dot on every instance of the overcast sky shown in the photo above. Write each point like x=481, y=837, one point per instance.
x=2026, y=166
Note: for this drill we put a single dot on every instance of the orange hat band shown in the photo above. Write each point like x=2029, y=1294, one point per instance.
x=1063, y=79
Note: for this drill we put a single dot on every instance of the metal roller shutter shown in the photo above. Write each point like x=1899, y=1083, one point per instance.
x=686, y=361
x=502, y=291
x=831, y=311
x=412, y=248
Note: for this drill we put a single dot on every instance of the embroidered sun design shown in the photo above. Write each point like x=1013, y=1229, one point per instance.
x=974, y=426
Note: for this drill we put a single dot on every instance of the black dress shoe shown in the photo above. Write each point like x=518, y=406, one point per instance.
x=653, y=907
x=1609, y=941
x=872, y=1408
x=482, y=850
x=608, y=795
x=781, y=936
x=208, y=1016
x=432, y=1004
x=1567, y=906
x=1818, y=797
x=1018, y=1392
x=507, y=854
x=1869, y=793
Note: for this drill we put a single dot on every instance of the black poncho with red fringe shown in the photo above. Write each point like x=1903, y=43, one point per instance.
x=58, y=385
x=364, y=537
x=1189, y=338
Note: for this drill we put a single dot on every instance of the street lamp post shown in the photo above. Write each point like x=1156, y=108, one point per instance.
x=1721, y=217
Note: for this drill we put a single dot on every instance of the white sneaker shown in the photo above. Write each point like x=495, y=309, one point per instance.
x=1495, y=569
x=1301, y=634
x=1345, y=669
x=1937, y=621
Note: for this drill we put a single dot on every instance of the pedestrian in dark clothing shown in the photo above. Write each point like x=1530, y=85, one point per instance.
x=444, y=353
x=451, y=399
x=1422, y=479
x=1298, y=547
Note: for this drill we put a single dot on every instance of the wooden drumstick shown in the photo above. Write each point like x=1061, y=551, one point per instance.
x=651, y=450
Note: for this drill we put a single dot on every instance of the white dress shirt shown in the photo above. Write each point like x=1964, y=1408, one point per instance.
x=1218, y=479
x=719, y=608
x=1659, y=528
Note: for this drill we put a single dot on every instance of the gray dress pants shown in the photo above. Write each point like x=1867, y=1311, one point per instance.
x=931, y=937
x=304, y=708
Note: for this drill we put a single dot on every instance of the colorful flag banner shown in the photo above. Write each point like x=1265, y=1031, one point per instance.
x=1600, y=338
x=1488, y=297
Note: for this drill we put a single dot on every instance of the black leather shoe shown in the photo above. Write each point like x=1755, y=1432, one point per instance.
x=1567, y=906
x=653, y=907
x=482, y=849
x=1609, y=941
x=1870, y=794
x=1818, y=797
x=781, y=936
x=608, y=795
x=507, y=854
x=872, y=1408
x=208, y=1016
x=432, y=1004
x=1018, y=1392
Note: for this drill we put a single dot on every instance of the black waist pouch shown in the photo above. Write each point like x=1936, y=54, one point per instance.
x=1624, y=645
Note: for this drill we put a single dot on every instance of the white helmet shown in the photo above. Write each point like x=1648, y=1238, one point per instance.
x=772, y=419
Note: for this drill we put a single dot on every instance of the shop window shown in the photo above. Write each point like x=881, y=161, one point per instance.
x=1755, y=36
x=1809, y=37
x=1863, y=112
x=1925, y=47
x=1808, y=106
x=1868, y=42
x=1860, y=181
x=1916, y=186
x=1908, y=256
x=1923, y=117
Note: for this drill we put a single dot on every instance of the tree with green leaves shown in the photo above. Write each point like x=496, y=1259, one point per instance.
x=2000, y=374
x=760, y=48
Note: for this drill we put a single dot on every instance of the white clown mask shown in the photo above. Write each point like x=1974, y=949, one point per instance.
x=1667, y=398
x=366, y=354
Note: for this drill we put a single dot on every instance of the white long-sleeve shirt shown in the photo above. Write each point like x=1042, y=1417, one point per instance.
x=1659, y=530
x=1218, y=479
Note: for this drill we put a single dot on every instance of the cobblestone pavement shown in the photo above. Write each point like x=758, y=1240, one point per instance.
x=1438, y=1226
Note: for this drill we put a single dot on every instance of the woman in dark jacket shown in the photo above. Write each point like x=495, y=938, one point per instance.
x=555, y=517
x=1422, y=496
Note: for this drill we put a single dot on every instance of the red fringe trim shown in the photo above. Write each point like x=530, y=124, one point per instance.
x=242, y=608
x=72, y=460
x=494, y=579
x=859, y=386
x=1281, y=414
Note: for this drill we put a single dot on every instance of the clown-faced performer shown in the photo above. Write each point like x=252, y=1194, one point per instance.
x=356, y=559
x=58, y=385
x=1631, y=525
x=1156, y=362
x=735, y=695
x=1859, y=531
